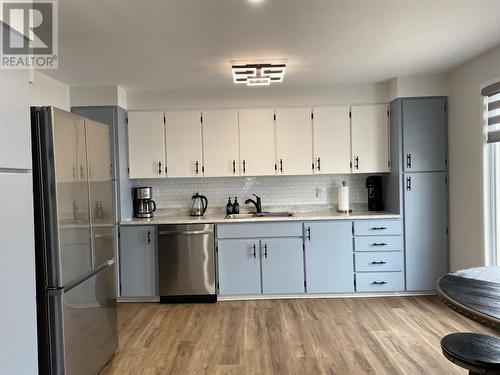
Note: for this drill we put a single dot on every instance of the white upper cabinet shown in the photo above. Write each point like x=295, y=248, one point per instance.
x=15, y=130
x=257, y=156
x=331, y=140
x=184, y=144
x=293, y=141
x=146, y=145
x=220, y=143
x=370, y=138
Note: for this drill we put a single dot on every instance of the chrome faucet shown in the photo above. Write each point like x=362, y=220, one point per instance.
x=257, y=203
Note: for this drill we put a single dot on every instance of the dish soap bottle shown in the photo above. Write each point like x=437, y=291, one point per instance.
x=229, y=207
x=236, y=206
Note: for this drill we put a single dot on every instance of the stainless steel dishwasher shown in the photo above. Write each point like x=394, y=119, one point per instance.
x=186, y=263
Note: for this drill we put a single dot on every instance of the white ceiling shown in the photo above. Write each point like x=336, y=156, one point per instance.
x=190, y=44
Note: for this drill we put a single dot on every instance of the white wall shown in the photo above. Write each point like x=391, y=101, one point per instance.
x=18, y=329
x=243, y=96
x=419, y=85
x=466, y=158
x=83, y=96
x=47, y=91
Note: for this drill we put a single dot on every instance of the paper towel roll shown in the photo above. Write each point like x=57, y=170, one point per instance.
x=343, y=198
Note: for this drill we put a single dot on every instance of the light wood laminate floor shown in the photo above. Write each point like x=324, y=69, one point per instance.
x=396, y=335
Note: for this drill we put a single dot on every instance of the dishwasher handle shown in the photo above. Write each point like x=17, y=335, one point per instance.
x=184, y=232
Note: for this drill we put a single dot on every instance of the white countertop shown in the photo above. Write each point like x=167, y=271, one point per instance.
x=220, y=218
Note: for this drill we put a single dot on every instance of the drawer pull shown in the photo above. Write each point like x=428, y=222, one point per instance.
x=379, y=228
x=379, y=283
x=378, y=262
x=379, y=244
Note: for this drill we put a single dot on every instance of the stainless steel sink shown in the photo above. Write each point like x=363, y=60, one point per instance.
x=255, y=215
x=241, y=216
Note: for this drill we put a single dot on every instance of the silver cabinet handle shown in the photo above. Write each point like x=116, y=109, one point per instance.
x=379, y=283
x=378, y=262
x=408, y=160
x=196, y=167
x=149, y=237
x=265, y=250
x=159, y=167
x=254, y=251
x=379, y=244
x=408, y=183
x=244, y=166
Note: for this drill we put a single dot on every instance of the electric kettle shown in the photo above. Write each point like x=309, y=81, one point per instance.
x=199, y=205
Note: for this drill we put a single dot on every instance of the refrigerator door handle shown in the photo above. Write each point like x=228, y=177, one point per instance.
x=88, y=275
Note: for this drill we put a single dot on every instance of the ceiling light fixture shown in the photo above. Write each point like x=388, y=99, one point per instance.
x=258, y=74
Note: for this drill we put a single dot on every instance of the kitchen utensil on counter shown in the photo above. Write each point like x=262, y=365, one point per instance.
x=343, y=198
x=374, y=185
x=144, y=205
x=199, y=205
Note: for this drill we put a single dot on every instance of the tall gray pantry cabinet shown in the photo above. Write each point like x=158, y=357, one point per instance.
x=418, y=186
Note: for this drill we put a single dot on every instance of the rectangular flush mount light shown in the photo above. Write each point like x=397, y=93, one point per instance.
x=258, y=74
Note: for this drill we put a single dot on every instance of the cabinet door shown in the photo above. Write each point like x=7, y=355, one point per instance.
x=370, y=139
x=138, y=261
x=15, y=130
x=184, y=145
x=293, y=141
x=331, y=140
x=329, y=257
x=282, y=266
x=425, y=229
x=239, y=267
x=220, y=143
x=424, y=134
x=146, y=145
x=257, y=154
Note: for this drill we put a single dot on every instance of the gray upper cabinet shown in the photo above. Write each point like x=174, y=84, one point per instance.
x=424, y=134
x=328, y=257
x=138, y=263
x=425, y=229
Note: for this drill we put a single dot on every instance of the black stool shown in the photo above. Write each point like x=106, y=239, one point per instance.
x=480, y=354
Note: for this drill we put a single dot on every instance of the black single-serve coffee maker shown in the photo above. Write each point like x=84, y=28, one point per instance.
x=374, y=185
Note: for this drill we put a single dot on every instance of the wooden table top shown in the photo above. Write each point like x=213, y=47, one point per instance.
x=474, y=298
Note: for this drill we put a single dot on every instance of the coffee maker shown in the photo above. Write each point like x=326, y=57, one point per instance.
x=144, y=206
x=374, y=185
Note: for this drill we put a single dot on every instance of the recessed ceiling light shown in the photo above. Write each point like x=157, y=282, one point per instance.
x=256, y=2
x=258, y=74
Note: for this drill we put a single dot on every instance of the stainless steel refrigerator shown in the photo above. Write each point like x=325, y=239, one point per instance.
x=75, y=264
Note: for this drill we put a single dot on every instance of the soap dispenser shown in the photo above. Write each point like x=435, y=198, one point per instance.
x=229, y=207
x=236, y=206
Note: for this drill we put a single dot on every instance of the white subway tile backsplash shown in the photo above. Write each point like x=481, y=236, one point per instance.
x=274, y=190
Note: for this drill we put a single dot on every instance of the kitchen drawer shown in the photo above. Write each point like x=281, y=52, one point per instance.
x=377, y=227
x=379, y=282
x=379, y=261
x=378, y=243
x=259, y=230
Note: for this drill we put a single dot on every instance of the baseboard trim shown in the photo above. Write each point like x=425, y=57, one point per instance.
x=290, y=296
x=326, y=296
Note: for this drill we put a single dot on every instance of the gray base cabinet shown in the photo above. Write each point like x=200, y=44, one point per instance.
x=328, y=257
x=282, y=266
x=378, y=255
x=260, y=258
x=239, y=267
x=138, y=261
x=426, y=239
